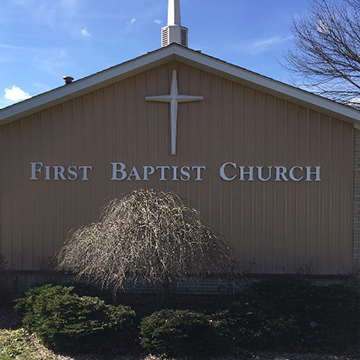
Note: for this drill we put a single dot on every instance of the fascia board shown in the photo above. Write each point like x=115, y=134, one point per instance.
x=270, y=86
x=84, y=86
x=187, y=56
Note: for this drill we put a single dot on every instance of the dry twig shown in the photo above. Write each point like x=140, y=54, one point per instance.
x=147, y=236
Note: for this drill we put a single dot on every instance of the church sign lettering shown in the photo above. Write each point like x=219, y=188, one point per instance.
x=228, y=171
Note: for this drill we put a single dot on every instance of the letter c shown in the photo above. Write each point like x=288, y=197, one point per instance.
x=222, y=171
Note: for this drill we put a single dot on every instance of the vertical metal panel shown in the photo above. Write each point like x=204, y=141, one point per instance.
x=275, y=227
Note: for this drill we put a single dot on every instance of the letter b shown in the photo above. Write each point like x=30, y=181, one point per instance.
x=116, y=171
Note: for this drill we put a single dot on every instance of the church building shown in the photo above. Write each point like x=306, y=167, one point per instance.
x=273, y=168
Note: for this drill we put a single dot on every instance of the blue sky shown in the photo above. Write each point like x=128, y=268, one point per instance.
x=43, y=40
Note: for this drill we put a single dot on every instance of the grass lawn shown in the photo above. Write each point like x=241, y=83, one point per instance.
x=20, y=345
x=15, y=344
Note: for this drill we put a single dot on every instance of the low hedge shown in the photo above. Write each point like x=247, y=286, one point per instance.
x=327, y=317
x=179, y=333
x=270, y=314
x=291, y=314
x=252, y=324
x=66, y=321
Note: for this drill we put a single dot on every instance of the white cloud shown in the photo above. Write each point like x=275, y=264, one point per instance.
x=69, y=4
x=11, y=47
x=50, y=61
x=266, y=44
x=57, y=14
x=21, y=2
x=5, y=59
x=132, y=21
x=41, y=87
x=16, y=94
x=84, y=32
x=158, y=22
x=47, y=14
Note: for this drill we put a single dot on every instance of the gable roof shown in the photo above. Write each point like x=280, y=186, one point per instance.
x=187, y=56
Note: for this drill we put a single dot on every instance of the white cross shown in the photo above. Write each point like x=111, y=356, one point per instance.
x=174, y=99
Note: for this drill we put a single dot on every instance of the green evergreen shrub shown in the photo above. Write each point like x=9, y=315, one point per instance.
x=179, y=333
x=328, y=317
x=67, y=322
x=291, y=314
x=253, y=324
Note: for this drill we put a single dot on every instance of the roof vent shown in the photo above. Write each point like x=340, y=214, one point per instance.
x=68, y=79
x=174, y=32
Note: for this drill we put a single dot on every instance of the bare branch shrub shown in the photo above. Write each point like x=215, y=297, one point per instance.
x=327, y=52
x=147, y=236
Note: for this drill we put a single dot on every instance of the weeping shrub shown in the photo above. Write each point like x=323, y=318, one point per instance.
x=147, y=236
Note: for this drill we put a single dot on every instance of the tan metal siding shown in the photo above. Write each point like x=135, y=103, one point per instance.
x=276, y=227
x=356, y=198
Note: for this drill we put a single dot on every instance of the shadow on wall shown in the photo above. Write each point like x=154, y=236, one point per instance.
x=4, y=283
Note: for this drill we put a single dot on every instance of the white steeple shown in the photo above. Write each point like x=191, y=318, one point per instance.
x=174, y=32
x=174, y=15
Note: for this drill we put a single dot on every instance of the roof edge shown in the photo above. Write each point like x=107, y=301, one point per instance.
x=85, y=85
x=274, y=87
x=190, y=57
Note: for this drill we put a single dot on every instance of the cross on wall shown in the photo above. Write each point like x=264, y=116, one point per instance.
x=174, y=99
